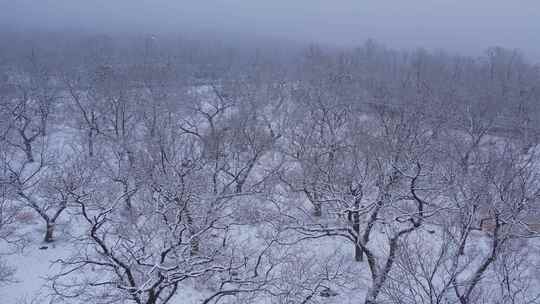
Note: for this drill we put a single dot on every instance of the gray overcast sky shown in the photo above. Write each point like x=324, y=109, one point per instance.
x=466, y=26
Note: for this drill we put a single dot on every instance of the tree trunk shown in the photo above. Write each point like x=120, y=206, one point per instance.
x=152, y=297
x=43, y=126
x=194, y=242
x=194, y=246
x=90, y=143
x=358, y=253
x=28, y=151
x=239, y=186
x=127, y=195
x=317, y=209
x=49, y=233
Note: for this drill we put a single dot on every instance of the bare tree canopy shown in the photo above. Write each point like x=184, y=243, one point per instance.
x=154, y=168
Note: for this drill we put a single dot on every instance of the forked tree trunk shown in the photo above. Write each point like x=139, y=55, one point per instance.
x=49, y=232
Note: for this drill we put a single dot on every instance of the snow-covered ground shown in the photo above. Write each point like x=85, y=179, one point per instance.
x=34, y=264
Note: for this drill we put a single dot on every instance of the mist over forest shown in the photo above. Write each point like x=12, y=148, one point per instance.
x=284, y=152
